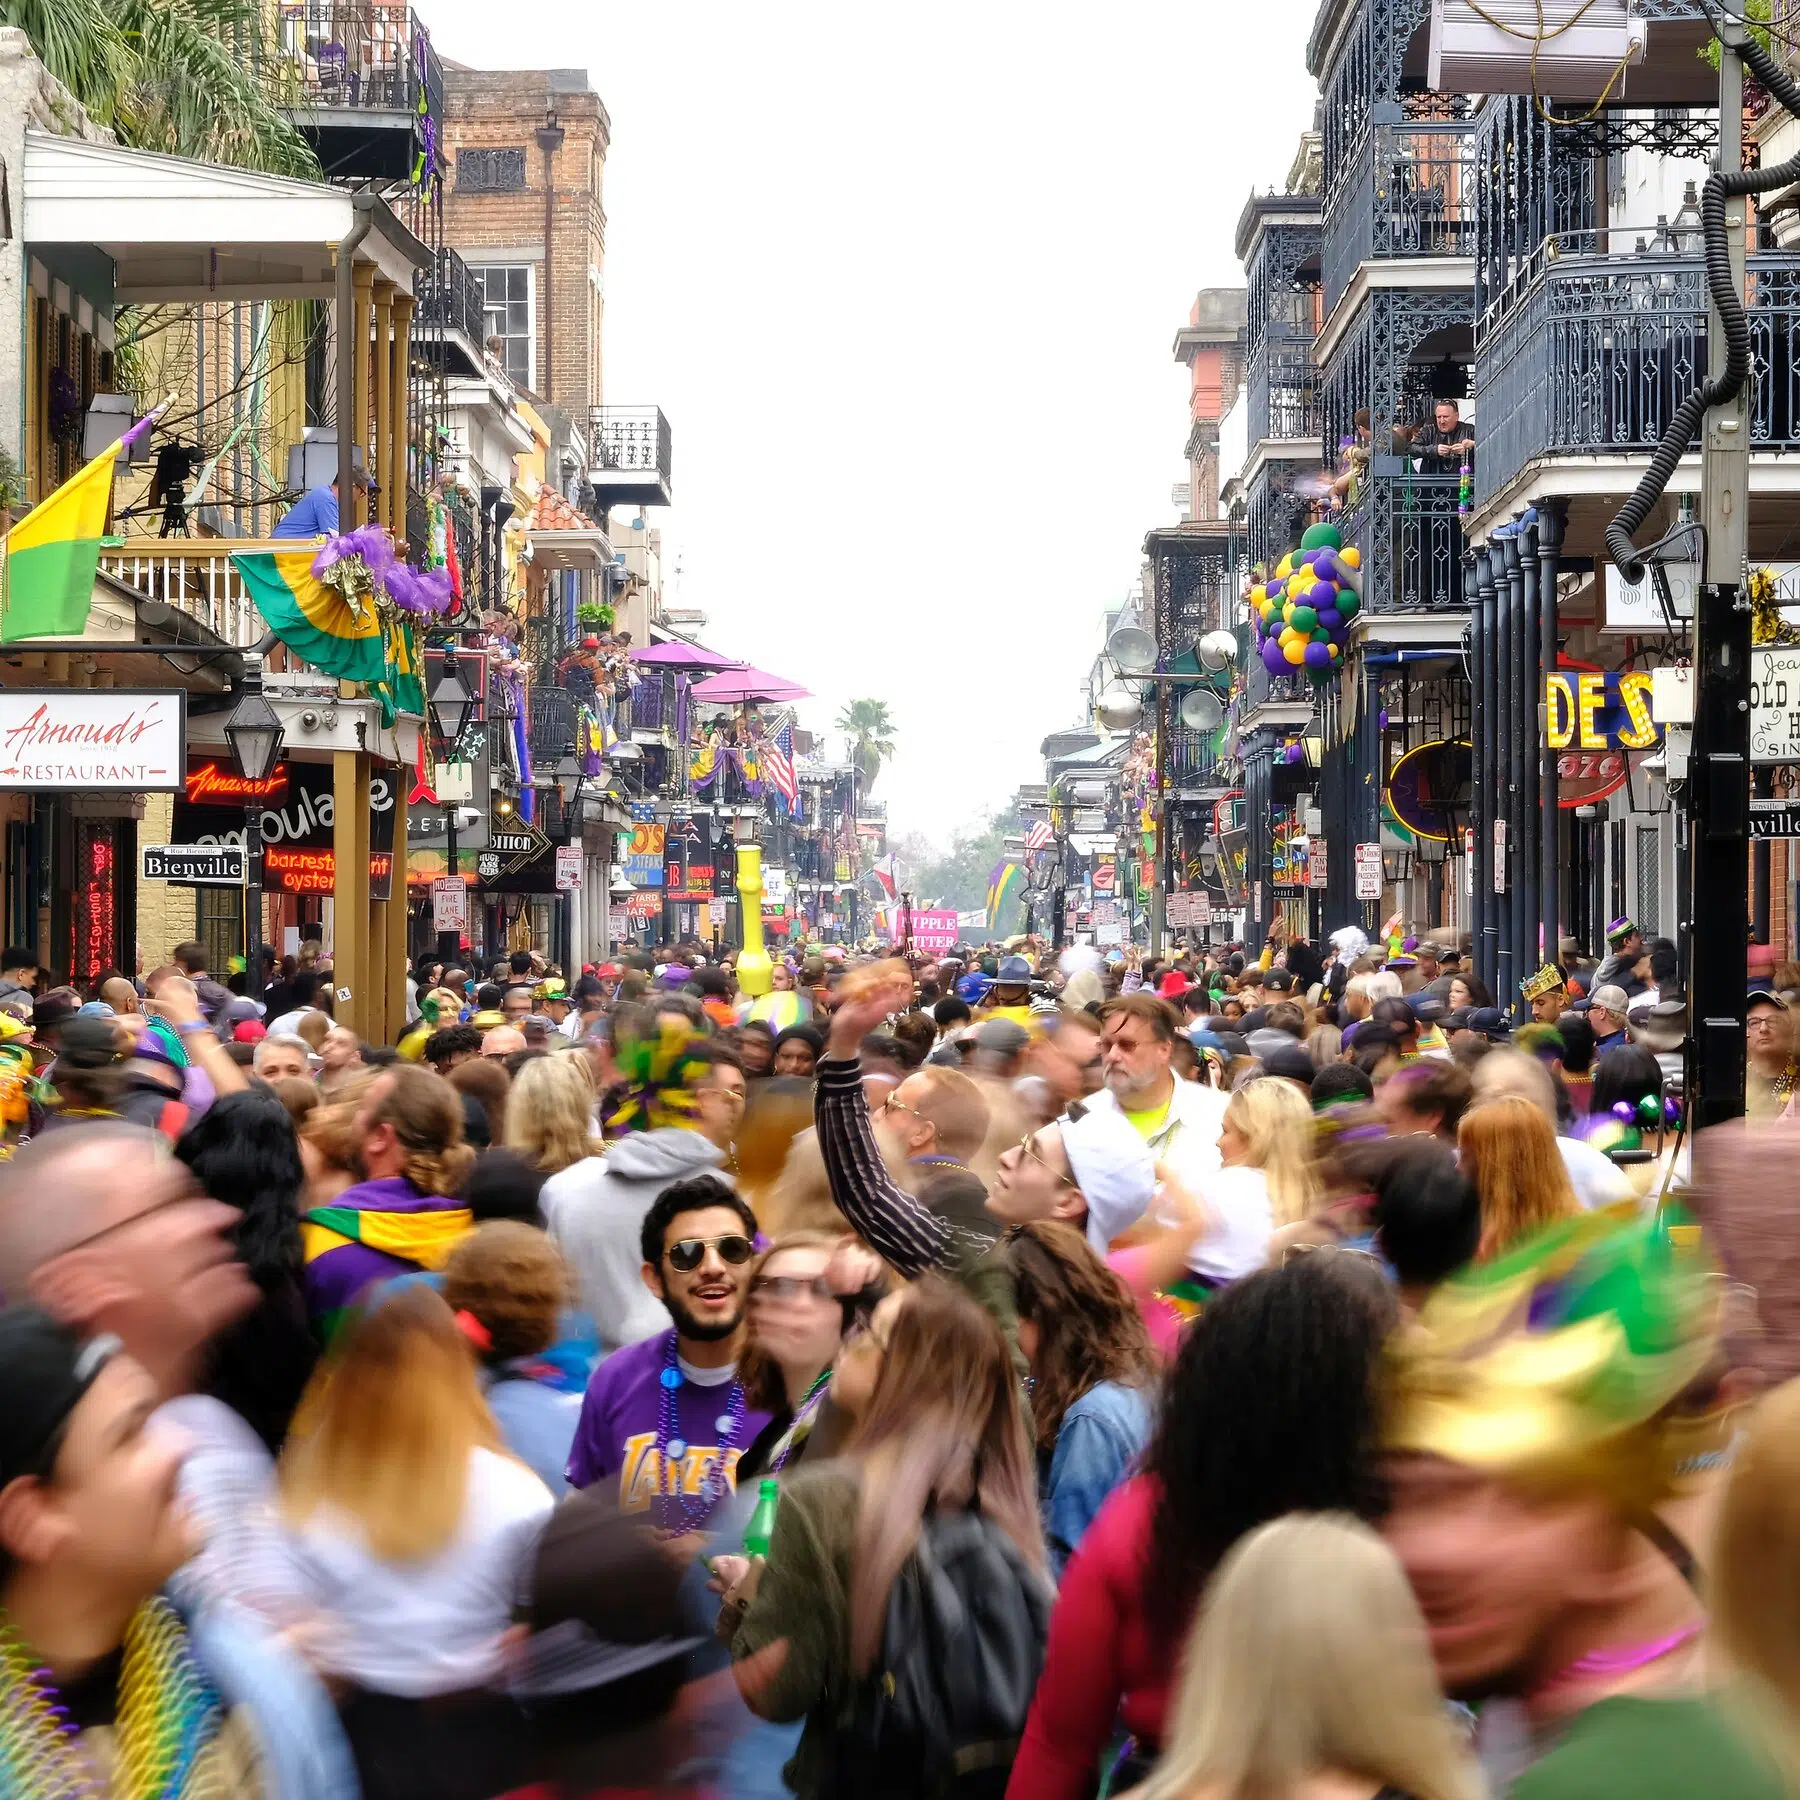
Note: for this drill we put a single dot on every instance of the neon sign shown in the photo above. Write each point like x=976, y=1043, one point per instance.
x=211, y=785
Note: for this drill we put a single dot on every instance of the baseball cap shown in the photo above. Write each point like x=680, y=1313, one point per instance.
x=1613, y=999
x=1113, y=1167
x=1457, y=1019
x=249, y=1031
x=1764, y=994
x=48, y=1370
x=1490, y=1021
x=1291, y=1062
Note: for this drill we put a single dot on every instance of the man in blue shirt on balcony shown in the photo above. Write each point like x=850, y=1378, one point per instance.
x=315, y=514
x=1446, y=445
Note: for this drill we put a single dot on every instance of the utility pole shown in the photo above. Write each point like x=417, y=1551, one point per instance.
x=1719, y=781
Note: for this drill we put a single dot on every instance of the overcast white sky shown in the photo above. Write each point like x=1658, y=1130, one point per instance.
x=905, y=280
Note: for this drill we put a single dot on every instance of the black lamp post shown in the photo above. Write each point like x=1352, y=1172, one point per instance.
x=453, y=708
x=256, y=737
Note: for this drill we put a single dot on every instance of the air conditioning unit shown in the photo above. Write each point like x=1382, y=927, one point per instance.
x=1558, y=49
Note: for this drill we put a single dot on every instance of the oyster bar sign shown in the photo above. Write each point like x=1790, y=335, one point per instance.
x=112, y=740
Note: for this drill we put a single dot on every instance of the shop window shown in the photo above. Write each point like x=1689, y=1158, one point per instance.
x=509, y=306
x=219, y=925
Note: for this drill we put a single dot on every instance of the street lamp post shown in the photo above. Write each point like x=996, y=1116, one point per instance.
x=452, y=710
x=256, y=737
x=570, y=779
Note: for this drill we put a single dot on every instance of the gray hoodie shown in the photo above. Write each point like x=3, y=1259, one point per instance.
x=595, y=1210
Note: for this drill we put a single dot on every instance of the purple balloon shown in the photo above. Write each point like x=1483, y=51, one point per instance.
x=1325, y=566
x=1318, y=656
x=1273, y=660
x=1323, y=594
x=1330, y=618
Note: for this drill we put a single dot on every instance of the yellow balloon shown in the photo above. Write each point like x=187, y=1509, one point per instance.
x=1258, y=594
x=1284, y=568
x=1295, y=653
x=1288, y=636
x=1352, y=557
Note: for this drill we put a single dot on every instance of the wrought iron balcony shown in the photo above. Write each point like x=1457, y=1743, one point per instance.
x=552, y=730
x=1410, y=533
x=1190, y=759
x=630, y=455
x=650, y=708
x=450, y=301
x=1284, y=401
x=1407, y=190
x=1594, y=354
x=365, y=84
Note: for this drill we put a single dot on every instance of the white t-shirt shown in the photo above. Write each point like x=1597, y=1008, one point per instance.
x=420, y=1629
x=1239, y=1245
x=1595, y=1177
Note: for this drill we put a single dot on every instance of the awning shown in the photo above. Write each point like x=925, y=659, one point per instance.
x=177, y=230
x=561, y=536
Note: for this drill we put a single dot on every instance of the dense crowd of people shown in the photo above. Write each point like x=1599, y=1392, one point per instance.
x=1222, y=1375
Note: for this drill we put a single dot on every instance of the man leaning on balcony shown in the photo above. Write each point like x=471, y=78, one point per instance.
x=1447, y=445
x=315, y=513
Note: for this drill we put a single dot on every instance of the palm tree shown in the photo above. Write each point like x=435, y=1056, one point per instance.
x=198, y=78
x=871, y=733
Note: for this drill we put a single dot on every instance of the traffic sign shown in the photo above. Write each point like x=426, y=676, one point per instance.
x=449, y=904
x=1368, y=871
x=1315, y=862
x=568, y=867
x=196, y=865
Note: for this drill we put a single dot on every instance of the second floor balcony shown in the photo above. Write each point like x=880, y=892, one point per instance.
x=450, y=313
x=1284, y=401
x=1407, y=191
x=630, y=457
x=1409, y=529
x=1592, y=356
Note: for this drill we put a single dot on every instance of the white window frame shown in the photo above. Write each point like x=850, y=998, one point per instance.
x=530, y=268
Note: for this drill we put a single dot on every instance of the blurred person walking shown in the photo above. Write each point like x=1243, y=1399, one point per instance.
x=1508, y=1151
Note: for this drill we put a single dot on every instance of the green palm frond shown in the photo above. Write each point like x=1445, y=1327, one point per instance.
x=81, y=43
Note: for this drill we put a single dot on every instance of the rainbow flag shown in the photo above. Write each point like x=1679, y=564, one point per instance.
x=1003, y=891
x=53, y=553
x=316, y=622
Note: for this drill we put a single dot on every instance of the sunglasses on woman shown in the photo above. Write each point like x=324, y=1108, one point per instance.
x=686, y=1254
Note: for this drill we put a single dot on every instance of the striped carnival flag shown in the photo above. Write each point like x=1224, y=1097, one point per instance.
x=778, y=766
x=1039, y=836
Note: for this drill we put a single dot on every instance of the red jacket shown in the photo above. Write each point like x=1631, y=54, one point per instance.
x=1103, y=1665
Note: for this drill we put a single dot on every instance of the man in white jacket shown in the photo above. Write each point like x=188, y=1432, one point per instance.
x=1178, y=1119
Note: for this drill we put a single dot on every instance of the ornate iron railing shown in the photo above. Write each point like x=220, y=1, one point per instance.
x=552, y=730
x=631, y=438
x=450, y=299
x=1190, y=755
x=650, y=706
x=362, y=54
x=1409, y=190
x=1595, y=354
x=1283, y=397
x=1409, y=531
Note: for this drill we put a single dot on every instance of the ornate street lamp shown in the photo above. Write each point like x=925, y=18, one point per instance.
x=255, y=735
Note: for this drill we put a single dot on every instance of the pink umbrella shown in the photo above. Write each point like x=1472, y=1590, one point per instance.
x=743, y=684
x=677, y=655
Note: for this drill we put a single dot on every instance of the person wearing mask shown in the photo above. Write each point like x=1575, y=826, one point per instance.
x=1606, y=1016
x=1279, y=1694
x=1092, y=1375
x=595, y=1207
x=1531, y=1433
x=1508, y=1151
x=1308, y=1338
x=1179, y=1120
x=1772, y=1071
x=507, y=1286
x=103, y=1686
x=400, y=1215
x=940, y=1458
x=413, y=1529
x=667, y=1418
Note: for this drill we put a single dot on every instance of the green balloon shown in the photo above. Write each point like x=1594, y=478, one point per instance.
x=1348, y=605
x=1303, y=618
x=1321, y=636
x=1321, y=537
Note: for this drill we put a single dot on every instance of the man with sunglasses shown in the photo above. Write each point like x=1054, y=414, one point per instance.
x=667, y=1417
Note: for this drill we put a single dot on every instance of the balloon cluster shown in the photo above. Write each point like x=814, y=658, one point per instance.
x=1303, y=612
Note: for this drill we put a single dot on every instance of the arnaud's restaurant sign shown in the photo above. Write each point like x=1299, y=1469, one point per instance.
x=88, y=740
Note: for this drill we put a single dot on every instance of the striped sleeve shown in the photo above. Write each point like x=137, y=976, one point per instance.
x=897, y=1227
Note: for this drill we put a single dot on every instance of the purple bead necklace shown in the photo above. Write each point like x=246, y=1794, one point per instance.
x=677, y=1511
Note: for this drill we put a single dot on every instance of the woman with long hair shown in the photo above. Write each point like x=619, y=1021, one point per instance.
x=941, y=1434
x=1270, y=1409
x=412, y=1529
x=244, y=1152
x=550, y=1114
x=1092, y=1372
x=797, y=1325
x=1268, y=1180
x=1508, y=1150
x=1284, y=1694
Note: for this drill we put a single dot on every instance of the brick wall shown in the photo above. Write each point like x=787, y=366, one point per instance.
x=501, y=111
x=166, y=915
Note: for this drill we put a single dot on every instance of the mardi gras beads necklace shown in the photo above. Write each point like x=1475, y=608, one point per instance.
x=167, y=1716
x=676, y=1511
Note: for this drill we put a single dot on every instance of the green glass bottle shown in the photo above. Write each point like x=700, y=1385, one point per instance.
x=762, y=1522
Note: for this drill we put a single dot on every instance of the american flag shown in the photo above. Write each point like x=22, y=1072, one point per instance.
x=1039, y=836
x=778, y=765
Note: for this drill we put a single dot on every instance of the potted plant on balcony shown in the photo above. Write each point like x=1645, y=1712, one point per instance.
x=594, y=615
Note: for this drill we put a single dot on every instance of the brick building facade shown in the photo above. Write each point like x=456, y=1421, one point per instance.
x=494, y=218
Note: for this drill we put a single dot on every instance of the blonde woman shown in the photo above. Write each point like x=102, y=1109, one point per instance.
x=1268, y=1180
x=1508, y=1151
x=550, y=1113
x=1309, y=1677
x=412, y=1530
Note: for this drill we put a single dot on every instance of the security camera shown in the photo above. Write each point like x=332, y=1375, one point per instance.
x=309, y=720
x=466, y=816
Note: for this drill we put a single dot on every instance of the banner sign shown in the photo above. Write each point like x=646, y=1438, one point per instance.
x=644, y=850
x=93, y=740
x=977, y=920
x=934, y=932
x=643, y=907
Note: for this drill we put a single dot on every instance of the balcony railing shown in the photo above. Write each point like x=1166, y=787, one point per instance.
x=632, y=439
x=1411, y=193
x=449, y=298
x=1190, y=756
x=196, y=576
x=1410, y=533
x=552, y=730
x=361, y=54
x=1594, y=355
x=649, y=704
x=1285, y=401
